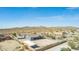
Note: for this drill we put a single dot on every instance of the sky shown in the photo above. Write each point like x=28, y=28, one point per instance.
x=38, y=16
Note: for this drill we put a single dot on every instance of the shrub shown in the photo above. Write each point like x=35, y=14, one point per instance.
x=71, y=44
x=76, y=39
x=14, y=34
x=74, y=45
x=50, y=36
x=65, y=49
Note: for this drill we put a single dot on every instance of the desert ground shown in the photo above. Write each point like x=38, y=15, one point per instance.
x=39, y=39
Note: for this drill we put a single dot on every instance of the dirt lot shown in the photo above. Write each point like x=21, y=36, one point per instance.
x=11, y=45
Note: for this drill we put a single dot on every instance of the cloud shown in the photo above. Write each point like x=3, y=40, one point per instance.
x=51, y=17
x=34, y=7
x=60, y=18
x=72, y=8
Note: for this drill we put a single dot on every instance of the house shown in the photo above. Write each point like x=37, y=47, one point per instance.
x=58, y=35
x=21, y=36
x=30, y=44
x=5, y=37
x=34, y=37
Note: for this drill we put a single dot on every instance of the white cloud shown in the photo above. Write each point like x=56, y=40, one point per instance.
x=51, y=17
x=60, y=18
x=34, y=7
x=72, y=8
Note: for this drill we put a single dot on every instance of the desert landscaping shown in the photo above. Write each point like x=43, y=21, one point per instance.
x=39, y=39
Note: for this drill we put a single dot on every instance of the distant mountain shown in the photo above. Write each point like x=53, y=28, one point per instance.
x=36, y=29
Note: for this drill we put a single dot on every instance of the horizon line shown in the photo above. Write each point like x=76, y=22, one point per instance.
x=35, y=26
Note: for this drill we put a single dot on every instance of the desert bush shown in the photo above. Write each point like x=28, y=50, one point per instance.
x=14, y=34
x=71, y=44
x=76, y=39
x=50, y=36
x=64, y=35
x=65, y=49
x=74, y=45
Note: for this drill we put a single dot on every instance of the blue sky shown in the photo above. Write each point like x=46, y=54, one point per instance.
x=38, y=16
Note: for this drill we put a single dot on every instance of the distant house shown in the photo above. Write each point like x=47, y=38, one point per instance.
x=30, y=44
x=58, y=35
x=21, y=36
x=4, y=37
x=34, y=37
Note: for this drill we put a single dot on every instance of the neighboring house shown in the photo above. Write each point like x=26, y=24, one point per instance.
x=58, y=35
x=34, y=37
x=29, y=37
x=4, y=37
x=30, y=44
x=21, y=36
x=28, y=40
x=71, y=34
